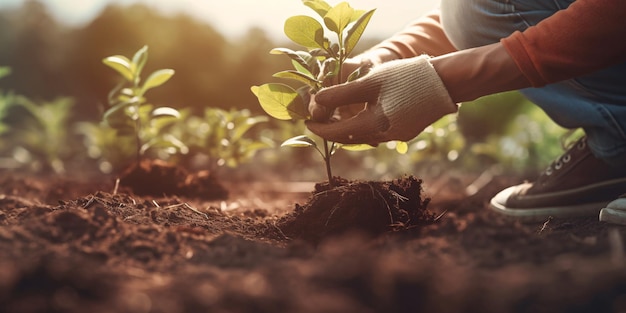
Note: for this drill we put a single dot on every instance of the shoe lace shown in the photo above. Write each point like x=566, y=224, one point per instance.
x=566, y=157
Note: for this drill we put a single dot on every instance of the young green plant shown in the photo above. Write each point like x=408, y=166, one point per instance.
x=223, y=136
x=131, y=114
x=5, y=101
x=35, y=132
x=43, y=132
x=319, y=66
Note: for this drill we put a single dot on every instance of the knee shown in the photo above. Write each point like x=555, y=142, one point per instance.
x=474, y=23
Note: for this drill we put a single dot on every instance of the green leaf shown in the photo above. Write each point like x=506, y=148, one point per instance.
x=165, y=111
x=4, y=71
x=357, y=147
x=319, y=6
x=305, y=31
x=301, y=60
x=164, y=142
x=156, y=79
x=251, y=148
x=143, y=111
x=338, y=17
x=139, y=60
x=161, y=125
x=116, y=117
x=294, y=55
x=241, y=128
x=301, y=141
x=281, y=101
x=355, y=31
x=297, y=76
x=27, y=104
x=121, y=64
x=330, y=68
x=357, y=14
x=358, y=73
x=299, y=68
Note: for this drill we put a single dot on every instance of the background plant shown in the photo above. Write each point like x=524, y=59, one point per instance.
x=222, y=136
x=5, y=101
x=131, y=115
x=103, y=144
x=34, y=134
x=39, y=133
x=212, y=66
x=320, y=65
x=522, y=140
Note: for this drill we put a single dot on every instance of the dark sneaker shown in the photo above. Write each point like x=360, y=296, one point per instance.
x=576, y=184
x=615, y=211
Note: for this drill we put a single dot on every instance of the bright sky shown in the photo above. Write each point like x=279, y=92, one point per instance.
x=234, y=17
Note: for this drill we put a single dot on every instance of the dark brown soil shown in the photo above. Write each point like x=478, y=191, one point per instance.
x=159, y=178
x=80, y=245
x=371, y=208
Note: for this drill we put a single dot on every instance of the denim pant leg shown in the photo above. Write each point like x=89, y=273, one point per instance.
x=595, y=102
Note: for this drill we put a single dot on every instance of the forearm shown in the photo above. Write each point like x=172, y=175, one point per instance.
x=473, y=73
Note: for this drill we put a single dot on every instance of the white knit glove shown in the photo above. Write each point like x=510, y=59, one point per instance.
x=403, y=97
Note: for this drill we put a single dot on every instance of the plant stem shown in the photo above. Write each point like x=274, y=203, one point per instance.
x=327, y=155
x=138, y=140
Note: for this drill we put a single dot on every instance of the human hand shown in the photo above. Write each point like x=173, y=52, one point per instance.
x=321, y=113
x=402, y=98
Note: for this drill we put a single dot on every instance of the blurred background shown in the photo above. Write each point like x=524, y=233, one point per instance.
x=218, y=48
x=51, y=55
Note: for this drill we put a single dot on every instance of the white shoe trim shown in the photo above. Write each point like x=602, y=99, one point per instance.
x=585, y=209
x=613, y=216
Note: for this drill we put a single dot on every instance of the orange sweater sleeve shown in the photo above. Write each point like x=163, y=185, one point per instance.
x=423, y=36
x=587, y=36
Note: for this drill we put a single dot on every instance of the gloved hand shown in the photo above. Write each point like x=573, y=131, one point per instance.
x=403, y=97
x=364, y=63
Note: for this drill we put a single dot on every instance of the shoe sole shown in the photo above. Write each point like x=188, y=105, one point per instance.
x=613, y=216
x=614, y=212
x=579, y=210
x=497, y=203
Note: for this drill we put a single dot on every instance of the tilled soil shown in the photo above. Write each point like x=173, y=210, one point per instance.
x=69, y=245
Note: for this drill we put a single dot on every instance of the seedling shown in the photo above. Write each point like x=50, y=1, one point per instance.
x=129, y=112
x=319, y=66
x=44, y=131
x=34, y=134
x=5, y=102
x=222, y=136
x=105, y=146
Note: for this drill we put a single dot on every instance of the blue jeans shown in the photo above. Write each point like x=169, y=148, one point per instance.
x=595, y=102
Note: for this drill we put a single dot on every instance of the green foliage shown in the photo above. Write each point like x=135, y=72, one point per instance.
x=222, y=136
x=130, y=114
x=4, y=71
x=525, y=140
x=105, y=146
x=42, y=135
x=5, y=102
x=521, y=139
x=316, y=67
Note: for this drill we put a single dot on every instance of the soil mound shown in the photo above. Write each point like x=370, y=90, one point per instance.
x=158, y=178
x=370, y=207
